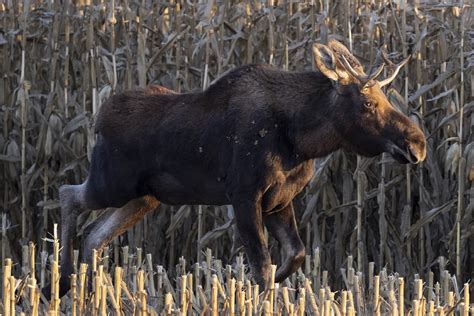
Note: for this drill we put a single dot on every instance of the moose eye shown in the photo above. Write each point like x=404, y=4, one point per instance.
x=369, y=106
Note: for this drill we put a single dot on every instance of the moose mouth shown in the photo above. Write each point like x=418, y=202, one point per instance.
x=403, y=155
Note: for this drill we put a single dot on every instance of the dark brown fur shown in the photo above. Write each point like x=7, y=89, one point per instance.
x=249, y=140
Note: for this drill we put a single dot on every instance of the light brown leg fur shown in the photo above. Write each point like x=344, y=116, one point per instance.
x=114, y=223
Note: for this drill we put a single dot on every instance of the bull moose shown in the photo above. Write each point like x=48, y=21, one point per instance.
x=249, y=140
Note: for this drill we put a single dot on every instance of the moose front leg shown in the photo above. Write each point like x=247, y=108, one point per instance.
x=248, y=216
x=282, y=225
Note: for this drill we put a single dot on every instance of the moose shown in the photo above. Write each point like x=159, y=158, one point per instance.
x=249, y=140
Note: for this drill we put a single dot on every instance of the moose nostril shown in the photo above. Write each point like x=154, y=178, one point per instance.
x=413, y=156
x=417, y=153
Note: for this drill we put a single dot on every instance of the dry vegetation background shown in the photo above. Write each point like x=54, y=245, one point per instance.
x=60, y=61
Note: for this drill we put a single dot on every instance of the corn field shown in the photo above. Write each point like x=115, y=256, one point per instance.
x=373, y=229
x=135, y=287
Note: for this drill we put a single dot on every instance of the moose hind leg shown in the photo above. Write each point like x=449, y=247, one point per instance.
x=73, y=203
x=282, y=225
x=114, y=222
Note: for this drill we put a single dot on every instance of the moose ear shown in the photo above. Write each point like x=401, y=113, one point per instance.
x=325, y=61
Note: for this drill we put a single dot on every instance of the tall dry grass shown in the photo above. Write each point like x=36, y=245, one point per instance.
x=60, y=61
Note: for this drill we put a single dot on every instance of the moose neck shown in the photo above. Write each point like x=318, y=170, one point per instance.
x=310, y=102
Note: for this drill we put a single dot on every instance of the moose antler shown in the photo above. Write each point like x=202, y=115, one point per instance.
x=361, y=77
x=352, y=64
x=389, y=63
x=340, y=50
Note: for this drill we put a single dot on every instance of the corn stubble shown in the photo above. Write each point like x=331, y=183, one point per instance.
x=381, y=238
x=229, y=291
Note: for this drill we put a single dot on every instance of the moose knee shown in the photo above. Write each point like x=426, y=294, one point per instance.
x=298, y=258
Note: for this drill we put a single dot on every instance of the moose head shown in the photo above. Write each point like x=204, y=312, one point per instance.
x=366, y=121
